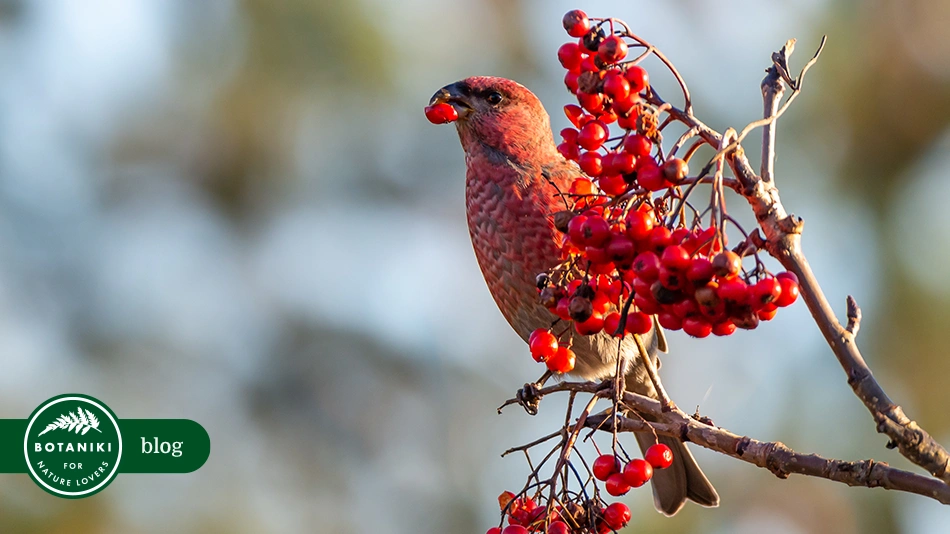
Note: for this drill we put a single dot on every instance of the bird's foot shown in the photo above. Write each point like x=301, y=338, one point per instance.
x=529, y=397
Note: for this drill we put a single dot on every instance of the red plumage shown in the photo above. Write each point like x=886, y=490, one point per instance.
x=514, y=175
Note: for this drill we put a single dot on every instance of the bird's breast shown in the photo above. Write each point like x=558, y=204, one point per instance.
x=512, y=229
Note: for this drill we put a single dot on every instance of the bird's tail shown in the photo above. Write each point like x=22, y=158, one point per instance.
x=681, y=481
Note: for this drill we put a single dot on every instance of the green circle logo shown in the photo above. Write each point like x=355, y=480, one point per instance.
x=73, y=446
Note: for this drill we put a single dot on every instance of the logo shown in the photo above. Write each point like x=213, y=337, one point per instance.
x=73, y=446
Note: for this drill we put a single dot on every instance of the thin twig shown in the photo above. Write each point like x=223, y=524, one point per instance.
x=661, y=394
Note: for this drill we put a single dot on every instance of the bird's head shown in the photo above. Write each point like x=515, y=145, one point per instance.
x=499, y=115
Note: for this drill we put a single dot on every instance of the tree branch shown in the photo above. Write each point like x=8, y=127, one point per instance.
x=772, y=91
x=783, y=241
x=778, y=458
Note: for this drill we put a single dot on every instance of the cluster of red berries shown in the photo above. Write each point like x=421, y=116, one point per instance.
x=526, y=516
x=627, y=262
x=618, y=479
x=609, y=91
x=683, y=277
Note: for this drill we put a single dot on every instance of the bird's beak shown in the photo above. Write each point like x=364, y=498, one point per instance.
x=454, y=95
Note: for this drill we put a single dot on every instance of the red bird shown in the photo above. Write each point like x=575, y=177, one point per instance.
x=514, y=172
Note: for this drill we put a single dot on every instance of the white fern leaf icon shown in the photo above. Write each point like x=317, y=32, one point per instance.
x=82, y=423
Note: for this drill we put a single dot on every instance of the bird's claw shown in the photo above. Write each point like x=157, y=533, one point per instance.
x=529, y=398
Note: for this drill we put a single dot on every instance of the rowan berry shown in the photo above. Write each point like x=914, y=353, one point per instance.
x=441, y=113
x=660, y=456
x=637, y=472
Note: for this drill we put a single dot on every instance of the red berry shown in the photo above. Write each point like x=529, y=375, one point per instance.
x=724, y=328
x=514, y=529
x=573, y=113
x=788, y=274
x=542, y=344
x=638, y=323
x=613, y=185
x=685, y=308
x=674, y=170
x=595, y=230
x=609, y=287
x=441, y=113
x=697, y=327
x=605, y=465
x=747, y=320
x=617, y=515
x=569, y=135
x=570, y=56
x=570, y=81
x=594, y=324
x=575, y=230
x=562, y=361
x=612, y=49
x=671, y=279
x=638, y=78
x=639, y=224
x=592, y=135
x=789, y=292
x=617, y=485
x=608, y=163
x=623, y=108
x=596, y=255
x=675, y=257
x=767, y=313
x=601, y=303
x=625, y=163
x=576, y=23
x=607, y=116
x=558, y=527
x=591, y=163
x=612, y=324
x=621, y=250
x=581, y=186
x=589, y=65
x=638, y=145
x=680, y=236
x=727, y=264
x=494, y=530
x=700, y=271
x=647, y=266
x=669, y=321
x=637, y=472
x=764, y=292
x=594, y=103
x=660, y=238
x=569, y=151
x=616, y=86
x=659, y=456
x=651, y=178
x=639, y=285
x=563, y=309
x=646, y=303
x=734, y=292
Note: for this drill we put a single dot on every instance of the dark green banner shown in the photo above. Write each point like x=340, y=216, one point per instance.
x=73, y=446
x=150, y=446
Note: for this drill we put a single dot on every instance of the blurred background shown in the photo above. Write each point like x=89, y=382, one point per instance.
x=235, y=212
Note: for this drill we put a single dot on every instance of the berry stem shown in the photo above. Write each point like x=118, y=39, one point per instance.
x=665, y=402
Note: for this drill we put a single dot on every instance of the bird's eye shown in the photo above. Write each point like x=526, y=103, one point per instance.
x=494, y=98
